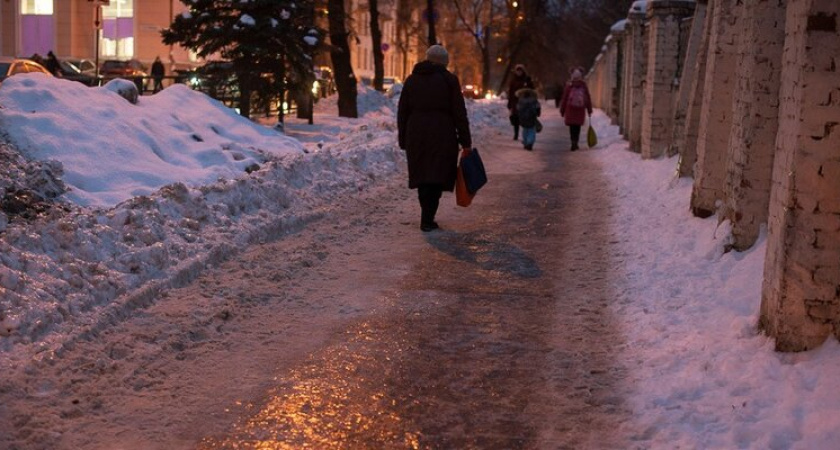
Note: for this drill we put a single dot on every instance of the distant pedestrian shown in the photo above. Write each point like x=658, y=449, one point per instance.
x=575, y=105
x=558, y=93
x=520, y=80
x=158, y=71
x=51, y=63
x=528, y=109
x=432, y=124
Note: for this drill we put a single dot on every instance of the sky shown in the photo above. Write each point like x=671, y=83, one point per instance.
x=159, y=191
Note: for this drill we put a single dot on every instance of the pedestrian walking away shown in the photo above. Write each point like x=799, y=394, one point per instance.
x=51, y=63
x=528, y=109
x=432, y=123
x=520, y=80
x=158, y=71
x=575, y=105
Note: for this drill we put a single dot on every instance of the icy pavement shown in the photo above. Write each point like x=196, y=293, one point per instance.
x=360, y=330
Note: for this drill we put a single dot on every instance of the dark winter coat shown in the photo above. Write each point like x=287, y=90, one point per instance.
x=528, y=107
x=572, y=114
x=518, y=82
x=158, y=71
x=432, y=124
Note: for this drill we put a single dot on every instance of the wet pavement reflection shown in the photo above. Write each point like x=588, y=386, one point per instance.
x=499, y=338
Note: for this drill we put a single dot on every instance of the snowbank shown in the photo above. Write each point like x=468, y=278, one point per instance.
x=112, y=150
x=176, y=163
x=704, y=376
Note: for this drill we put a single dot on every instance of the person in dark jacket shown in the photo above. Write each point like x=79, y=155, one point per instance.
x=575, y=105
x=519, y=81
x=51, y=63
x=528, y=109
x=158, y=71
x=432, y=125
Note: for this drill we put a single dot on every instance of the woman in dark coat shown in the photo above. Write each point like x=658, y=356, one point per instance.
x=575, y=105
x=432, y=122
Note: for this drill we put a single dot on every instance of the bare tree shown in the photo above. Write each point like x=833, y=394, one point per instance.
x=376, y=40
x=479, y=18
x=409, y=31
x=345, y=79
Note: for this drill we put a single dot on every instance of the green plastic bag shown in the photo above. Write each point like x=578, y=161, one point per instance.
x=591, y=137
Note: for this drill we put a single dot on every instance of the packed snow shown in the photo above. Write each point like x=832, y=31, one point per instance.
x=141, y=205
x=704, y=376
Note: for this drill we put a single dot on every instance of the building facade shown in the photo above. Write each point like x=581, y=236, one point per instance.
x=130, y=29
x=127, y=29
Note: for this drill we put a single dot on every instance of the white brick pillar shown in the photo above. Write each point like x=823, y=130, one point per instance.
x=663, y=62
x=694, y=105
x=636, y=71
x=756, y=111
x=801, y=293
x=687, y=78
x=716, y=112
x=617, y=53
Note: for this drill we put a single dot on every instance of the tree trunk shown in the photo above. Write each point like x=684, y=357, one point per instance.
x=345, y=79
x=244, y=97
x=430, y=15
x=376, y=38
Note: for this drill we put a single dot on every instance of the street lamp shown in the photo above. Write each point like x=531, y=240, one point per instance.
x=97, y=23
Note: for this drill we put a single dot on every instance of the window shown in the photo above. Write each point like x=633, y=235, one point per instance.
x=36, y=7
x=36, y=22
x=118, y=29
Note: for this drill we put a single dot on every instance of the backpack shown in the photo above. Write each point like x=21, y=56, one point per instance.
x=577, y=97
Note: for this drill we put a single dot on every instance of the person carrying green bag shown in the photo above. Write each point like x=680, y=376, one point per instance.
x=575, y=105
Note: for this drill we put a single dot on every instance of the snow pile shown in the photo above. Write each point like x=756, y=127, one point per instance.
x=368, y=101
x=608, y=134
x=112, y=150
x=73, y=269
x=703, y=376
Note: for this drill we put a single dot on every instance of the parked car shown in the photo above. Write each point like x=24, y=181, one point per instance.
x=131, y=69
x=84, y=65
x=471, y=91
x=389, y=82
x=14, y=66
x=69, y=71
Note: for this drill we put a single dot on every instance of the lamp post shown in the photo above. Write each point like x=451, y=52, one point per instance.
x=97, y=23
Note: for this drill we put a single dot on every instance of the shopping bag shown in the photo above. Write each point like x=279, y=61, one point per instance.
x=473, y=169
x=591, y=137
x=539, y=126
x=462, y=196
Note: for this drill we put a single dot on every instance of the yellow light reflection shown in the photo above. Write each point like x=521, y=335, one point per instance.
x=332, y=402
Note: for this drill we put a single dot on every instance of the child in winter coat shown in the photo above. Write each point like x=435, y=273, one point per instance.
x=528, y=109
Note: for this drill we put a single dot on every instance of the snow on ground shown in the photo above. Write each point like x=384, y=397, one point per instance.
x=79, y=266
x=702, y=376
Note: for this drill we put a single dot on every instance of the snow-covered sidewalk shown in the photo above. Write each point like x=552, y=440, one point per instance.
x=704, y=376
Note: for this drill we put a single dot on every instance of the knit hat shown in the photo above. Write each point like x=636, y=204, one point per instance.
x=438, y=55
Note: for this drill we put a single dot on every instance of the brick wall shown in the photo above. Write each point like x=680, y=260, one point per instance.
x=666, y=44
x=753, y=135
x=716, y=111
x=801, y=291
x=687, y=77
x=763, y=116
x=636, y=71
x=694, y=105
